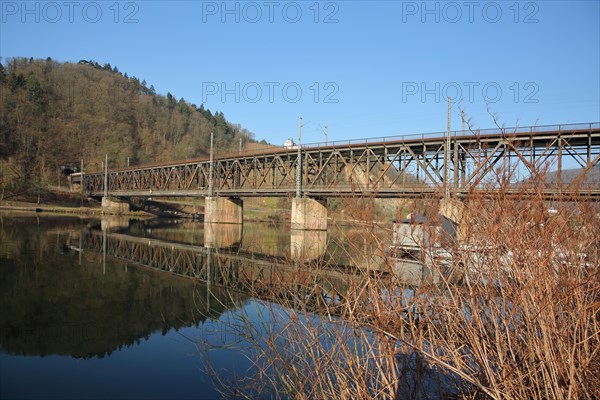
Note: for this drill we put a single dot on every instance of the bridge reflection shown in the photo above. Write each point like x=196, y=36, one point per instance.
x=223, y=263
x=129, y=286
x=55, y=302
x=78, y=290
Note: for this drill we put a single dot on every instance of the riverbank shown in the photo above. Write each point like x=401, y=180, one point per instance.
x=34, y=208
x=269, y=210
x=60, y=202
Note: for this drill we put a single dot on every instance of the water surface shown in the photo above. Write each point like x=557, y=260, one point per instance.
x=140, y=309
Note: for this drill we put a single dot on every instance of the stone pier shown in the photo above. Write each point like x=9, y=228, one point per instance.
x=455, y=211
x=309, y=214
x=115, y=206
x=223, y=210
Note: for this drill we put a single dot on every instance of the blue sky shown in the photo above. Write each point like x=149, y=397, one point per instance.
x=364, y=69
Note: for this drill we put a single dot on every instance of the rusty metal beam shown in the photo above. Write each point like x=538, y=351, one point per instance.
x=379, y=167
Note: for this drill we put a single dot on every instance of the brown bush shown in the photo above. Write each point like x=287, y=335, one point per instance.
x=521, y=321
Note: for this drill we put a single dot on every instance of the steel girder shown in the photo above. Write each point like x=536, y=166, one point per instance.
x=387, y=167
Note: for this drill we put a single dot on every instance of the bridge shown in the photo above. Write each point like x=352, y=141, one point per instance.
x=452, y=164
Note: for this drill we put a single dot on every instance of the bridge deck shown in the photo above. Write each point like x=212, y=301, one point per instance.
x=406, y=166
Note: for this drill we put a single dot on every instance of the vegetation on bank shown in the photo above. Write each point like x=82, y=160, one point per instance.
x=511, y=310
x=55, y=114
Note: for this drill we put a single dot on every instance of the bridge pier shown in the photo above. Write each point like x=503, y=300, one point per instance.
x=455, y=211
x=223, y=210
x=115, y=206
x=309, y=214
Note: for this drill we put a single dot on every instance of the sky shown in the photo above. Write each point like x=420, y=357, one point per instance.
x=362, y=68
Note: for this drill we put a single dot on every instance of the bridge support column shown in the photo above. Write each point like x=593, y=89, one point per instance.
x=223, y=210
x=115, y=206
x=456, y=212
x=309, y=214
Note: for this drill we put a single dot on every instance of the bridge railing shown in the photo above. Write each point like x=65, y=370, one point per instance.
x=381, y=139
x=458, y=133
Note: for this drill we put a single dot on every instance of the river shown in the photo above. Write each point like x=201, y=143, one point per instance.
x=156, y=308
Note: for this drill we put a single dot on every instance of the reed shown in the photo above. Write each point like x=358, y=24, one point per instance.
x=512, y=311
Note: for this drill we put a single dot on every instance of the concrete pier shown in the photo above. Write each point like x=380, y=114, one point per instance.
x=115, y=206
x=455, y=211
x=309, y=214
x=223, y=210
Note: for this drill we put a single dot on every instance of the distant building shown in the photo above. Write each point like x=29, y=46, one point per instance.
x=289, y=144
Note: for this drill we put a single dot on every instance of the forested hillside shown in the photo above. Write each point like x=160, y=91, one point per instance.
x=54, y=114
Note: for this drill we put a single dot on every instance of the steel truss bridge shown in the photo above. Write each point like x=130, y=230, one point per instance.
x=401, y=166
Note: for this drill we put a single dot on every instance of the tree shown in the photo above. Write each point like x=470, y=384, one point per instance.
x=2, y=74
x=15, y=81
x=48, y=120
x=35, y=93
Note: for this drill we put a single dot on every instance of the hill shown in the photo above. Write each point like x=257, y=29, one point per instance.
x=55, y=114
x=591, y=177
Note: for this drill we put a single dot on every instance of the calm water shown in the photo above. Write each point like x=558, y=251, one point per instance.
x=140, y=309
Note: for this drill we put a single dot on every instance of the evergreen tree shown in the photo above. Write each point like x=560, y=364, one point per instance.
x=35, y=93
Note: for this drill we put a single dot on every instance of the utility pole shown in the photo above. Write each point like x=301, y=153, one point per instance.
x=81, y=170
x=326, y=132
x=299, y=162
x=106, y=177
x=459, y=167
x=447, y=156
x=210, y=167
